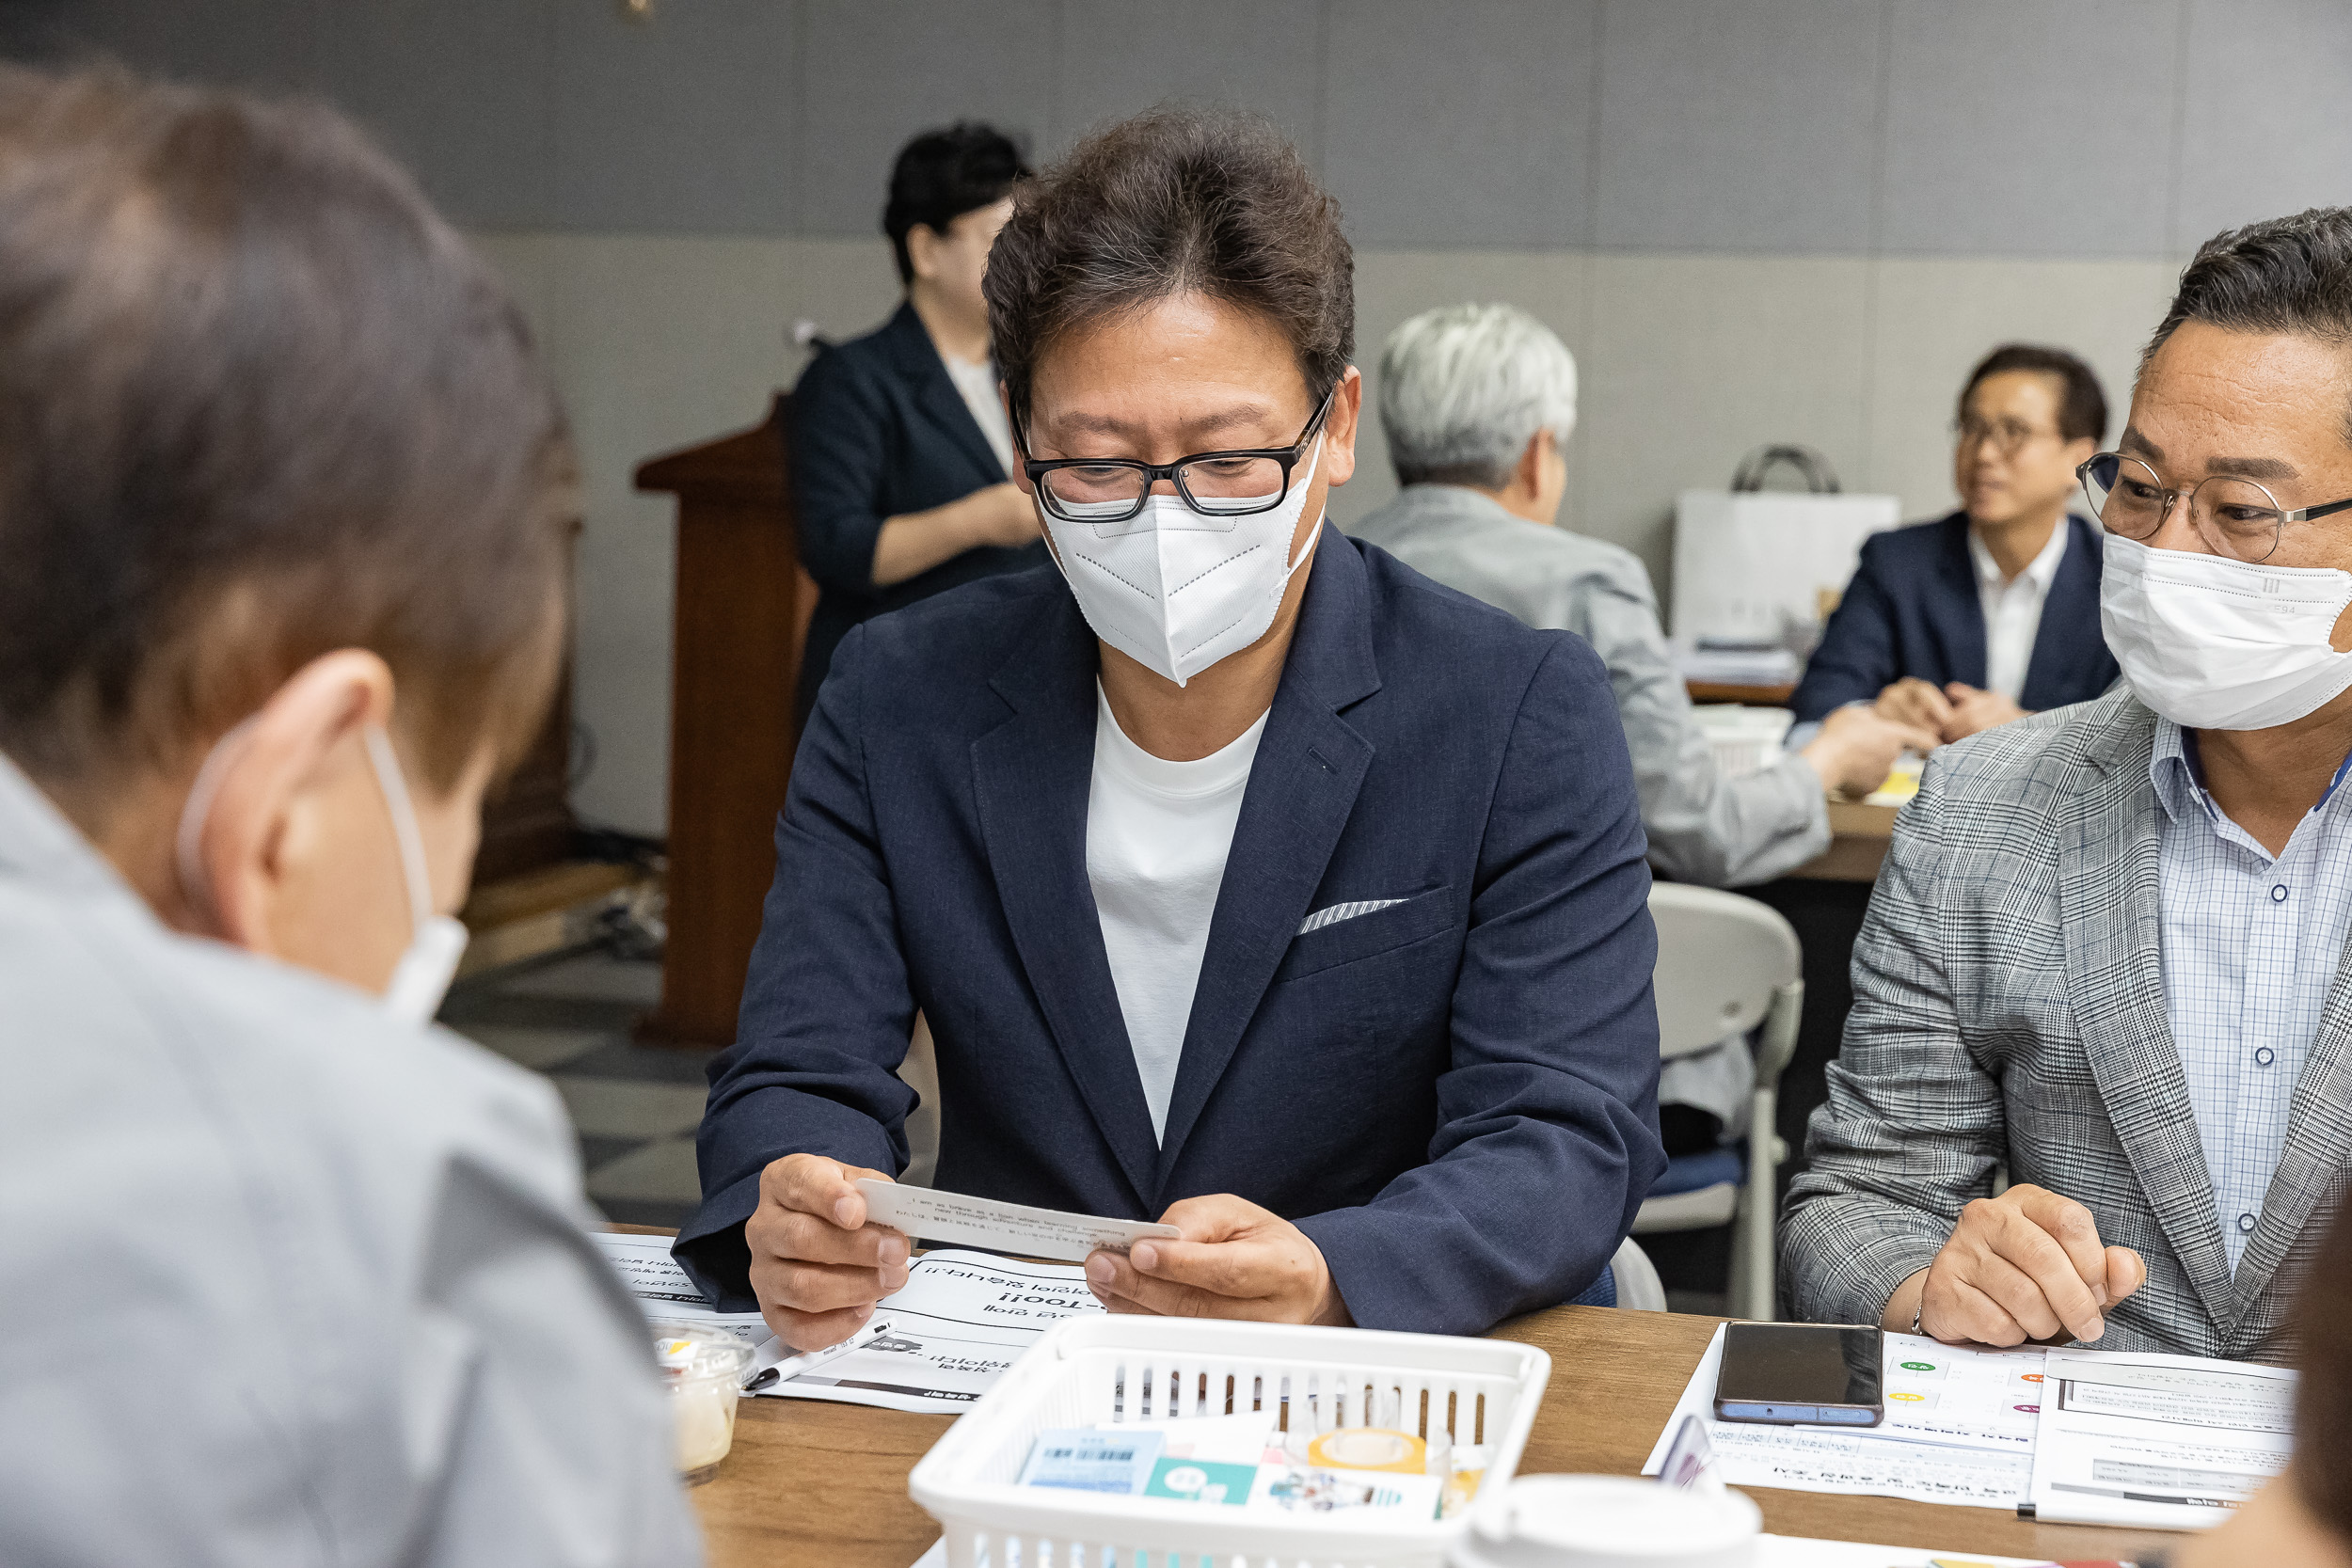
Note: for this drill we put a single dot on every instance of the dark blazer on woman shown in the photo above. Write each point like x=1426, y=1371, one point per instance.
x=1913, y=610
x=879, y=431
x=1424, y=1028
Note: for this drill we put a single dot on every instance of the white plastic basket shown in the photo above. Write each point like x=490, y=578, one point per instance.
x=1103, y=1370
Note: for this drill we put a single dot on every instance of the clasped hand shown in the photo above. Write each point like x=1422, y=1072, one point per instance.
x=2021, y=1266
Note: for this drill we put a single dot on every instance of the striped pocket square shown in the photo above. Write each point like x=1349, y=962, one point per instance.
x=1338, y=912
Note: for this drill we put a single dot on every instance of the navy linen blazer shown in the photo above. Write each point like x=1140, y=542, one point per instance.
x=879, y=431
x=1454, y=1096
x=1913, y=610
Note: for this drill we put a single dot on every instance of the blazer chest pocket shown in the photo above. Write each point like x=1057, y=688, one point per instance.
x=1368, y=935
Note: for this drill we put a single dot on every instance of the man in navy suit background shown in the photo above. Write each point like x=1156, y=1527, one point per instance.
x=1248, y=879
x=1993, y=613
x=900, y=450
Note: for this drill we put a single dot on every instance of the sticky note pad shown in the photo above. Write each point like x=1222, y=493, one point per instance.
x=1202, y=1481
x=1084, y=1459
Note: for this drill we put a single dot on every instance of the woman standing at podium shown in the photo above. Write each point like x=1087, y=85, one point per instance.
x=899, y=446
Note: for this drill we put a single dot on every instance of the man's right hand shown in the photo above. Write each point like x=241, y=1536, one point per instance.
x=818, y=1268
x=1856, y=748
x=1919, y=703
x=2021, y=1266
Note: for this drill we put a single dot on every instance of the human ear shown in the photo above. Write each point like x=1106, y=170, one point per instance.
x=1338, y=427
x=243, y=848
x=923, y=247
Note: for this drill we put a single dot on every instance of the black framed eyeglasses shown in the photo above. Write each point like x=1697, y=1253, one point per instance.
x=2235, y=516
x=1218, y=484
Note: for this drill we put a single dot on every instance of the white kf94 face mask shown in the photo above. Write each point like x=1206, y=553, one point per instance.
x=422, y=977
x=2218, y=644
x=1177, y=590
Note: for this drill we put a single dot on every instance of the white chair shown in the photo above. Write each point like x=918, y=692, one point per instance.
x=1726, y=964
x=1639, y=1289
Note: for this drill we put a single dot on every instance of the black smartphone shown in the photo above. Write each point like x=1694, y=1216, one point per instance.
x=1788, y=1373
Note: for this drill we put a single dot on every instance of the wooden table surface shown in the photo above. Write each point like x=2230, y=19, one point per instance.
x=812, y=1484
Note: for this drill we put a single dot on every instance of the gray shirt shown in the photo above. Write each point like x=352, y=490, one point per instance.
x=1703, y=827
x=283, y=1280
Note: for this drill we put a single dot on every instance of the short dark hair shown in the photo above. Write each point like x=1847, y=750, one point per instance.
x=2082, y=406
x=257, y=402
x=2290, y=275
x=2323, y=1399
x=941, y=175
x=1172, y=201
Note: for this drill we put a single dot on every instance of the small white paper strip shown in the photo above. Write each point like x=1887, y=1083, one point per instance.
x=1015, y=1227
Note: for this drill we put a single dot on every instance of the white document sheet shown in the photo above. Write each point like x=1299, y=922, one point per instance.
x=958, y=1322
x=1959, y=1429
x=987, y=1221
x=1775, y=1551
x=2169, y=1441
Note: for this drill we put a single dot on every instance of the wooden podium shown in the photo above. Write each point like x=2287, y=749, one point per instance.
x=743, y=605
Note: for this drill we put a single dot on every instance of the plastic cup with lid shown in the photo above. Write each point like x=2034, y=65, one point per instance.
x=705, y=1367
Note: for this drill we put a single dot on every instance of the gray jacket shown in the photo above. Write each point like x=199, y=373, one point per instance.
x=287, y=1282
x=1703, y=827
x=2010, y=1007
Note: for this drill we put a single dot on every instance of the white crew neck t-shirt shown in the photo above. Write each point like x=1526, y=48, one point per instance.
x=976, y=381
x=1158, y=835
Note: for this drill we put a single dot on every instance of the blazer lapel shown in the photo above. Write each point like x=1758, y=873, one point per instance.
x=2109, y=892
x=936, y=395
x=2311, y=1166
x=2068, y=617
x=1963, y=623
x=1302, y=788
x=1031, y=777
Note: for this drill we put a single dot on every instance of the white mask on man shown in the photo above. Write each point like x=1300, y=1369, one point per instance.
x=422, y=975
x=2214, y=643
x=1178, y=590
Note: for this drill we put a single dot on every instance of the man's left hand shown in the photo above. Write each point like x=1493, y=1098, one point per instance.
x=1235, y=1260
x=1974, y=709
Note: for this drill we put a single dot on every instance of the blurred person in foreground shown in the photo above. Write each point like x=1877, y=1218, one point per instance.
x=1478, y=402
x=901, y=454
x=1248, y=880
x=283, y=503
x=2302, y=1518
x=1992, y=613
x=2105, y=951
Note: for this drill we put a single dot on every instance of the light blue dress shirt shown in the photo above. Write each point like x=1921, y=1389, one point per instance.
x=2251, y=950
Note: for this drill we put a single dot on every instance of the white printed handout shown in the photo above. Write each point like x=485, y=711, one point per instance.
x=961, y=1319
x=987, y=1221
x=1959, y=1429
x=2172, y=1441
x=958, y=1322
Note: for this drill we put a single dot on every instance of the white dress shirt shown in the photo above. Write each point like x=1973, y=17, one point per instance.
x=1158, y=835
x=2012, y=610
x=977, y=383
x=2251, y=948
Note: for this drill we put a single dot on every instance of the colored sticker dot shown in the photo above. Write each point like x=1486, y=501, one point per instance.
x=1918, y=1366
x=1912, y=1397
x=2030, y=1377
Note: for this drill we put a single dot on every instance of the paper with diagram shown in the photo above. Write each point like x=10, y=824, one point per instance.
x=2172, y=1441
x=1959, y=1429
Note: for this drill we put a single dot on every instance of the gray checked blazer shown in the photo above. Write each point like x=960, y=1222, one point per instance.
x=2010, y=1007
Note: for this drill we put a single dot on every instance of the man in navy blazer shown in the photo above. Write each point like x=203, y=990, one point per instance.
x=1417, y=1080
x=1993, y=613
x=899, y=443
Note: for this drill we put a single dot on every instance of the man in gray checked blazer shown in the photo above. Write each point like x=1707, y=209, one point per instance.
x=2105, y=950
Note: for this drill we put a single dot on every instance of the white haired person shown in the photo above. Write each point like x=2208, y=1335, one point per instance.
x=1478, y=402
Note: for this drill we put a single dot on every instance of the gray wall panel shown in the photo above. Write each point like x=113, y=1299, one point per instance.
x=876, y=71
x=1747, y=126
x=265, y=44
x=682, y=124
x=2266, y=126
x=2023, y=128
x=457, y=88
x=1117, y=57
x=1467, y=124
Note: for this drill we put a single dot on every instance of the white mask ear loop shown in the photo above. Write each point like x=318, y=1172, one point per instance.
x=196, y=885
x=388, y=778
